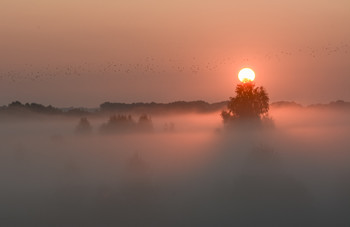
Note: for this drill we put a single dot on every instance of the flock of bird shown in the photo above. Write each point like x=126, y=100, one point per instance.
x=153, y=66
x=308, y=51
x=150, y=66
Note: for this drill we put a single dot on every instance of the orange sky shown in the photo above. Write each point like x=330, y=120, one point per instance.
x=83, y=53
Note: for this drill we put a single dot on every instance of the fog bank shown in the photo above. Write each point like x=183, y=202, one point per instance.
x=196, y=174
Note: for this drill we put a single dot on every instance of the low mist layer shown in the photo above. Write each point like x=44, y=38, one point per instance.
x=187, y=171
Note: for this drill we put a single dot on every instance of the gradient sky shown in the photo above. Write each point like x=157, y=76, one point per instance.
x=84, y=52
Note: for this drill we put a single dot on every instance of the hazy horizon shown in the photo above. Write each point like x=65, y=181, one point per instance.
x=148, y=102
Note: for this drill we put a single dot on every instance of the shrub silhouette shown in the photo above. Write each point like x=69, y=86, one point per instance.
x=84, y=126
x=250, y=103
x=118, y=123
x=125, y=123
x=145, y=123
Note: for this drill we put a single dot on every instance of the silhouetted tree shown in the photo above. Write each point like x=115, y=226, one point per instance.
x=125, y=123
x=145, y=123
x=15, y=104
x=119, y=123
x=33, y=107
x=250, y=103
x=179, y=106
x=84, y=126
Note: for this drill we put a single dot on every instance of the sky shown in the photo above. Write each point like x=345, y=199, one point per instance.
x=84, y=52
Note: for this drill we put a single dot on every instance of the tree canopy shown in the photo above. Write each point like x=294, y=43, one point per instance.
x=250, y=102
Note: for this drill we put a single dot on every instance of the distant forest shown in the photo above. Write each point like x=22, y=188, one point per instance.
x=19, y=109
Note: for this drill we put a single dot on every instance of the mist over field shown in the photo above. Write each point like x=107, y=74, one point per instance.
x=187, y=171
x=103, y=123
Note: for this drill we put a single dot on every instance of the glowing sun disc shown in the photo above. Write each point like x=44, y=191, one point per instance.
x=246, y=75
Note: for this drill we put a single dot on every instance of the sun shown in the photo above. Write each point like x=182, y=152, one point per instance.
x=246, y=75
